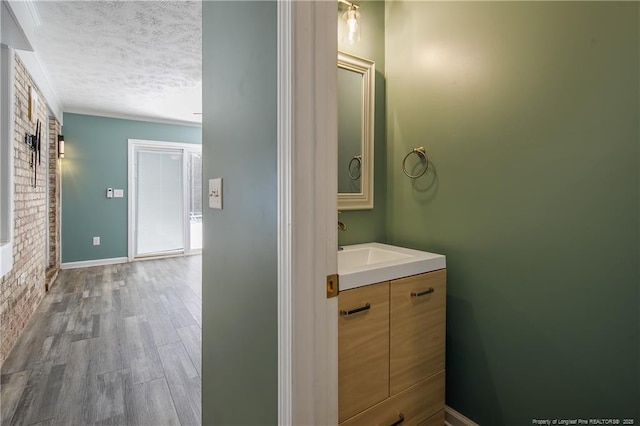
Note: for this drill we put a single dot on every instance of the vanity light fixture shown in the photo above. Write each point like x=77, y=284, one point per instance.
x=60, y=146
x=351, y=22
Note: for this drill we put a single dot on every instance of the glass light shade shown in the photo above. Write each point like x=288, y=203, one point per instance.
x=351, y=19
x=60, y=146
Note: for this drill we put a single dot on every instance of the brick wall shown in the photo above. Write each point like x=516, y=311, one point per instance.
x=53, y=265
x=22, y=289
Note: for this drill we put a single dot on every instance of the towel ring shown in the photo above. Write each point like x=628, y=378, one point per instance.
x=420, y=152
x=357, y=158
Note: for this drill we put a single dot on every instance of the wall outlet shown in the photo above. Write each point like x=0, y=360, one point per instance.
x=96, y=241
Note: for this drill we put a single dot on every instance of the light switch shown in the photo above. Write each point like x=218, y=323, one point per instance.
x=109, y=192
x=215, y=193
x=118, y=193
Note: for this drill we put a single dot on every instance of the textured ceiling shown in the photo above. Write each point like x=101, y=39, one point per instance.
x=124, y=58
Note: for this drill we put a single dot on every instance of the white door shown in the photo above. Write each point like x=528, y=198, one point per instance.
x=159, y=202
x=165, y=201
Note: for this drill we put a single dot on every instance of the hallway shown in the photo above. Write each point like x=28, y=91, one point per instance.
x=111, y=345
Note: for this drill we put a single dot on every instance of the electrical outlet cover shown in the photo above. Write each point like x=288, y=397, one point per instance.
x=215, y=194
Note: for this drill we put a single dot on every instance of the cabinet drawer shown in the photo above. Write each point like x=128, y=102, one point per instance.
x=416, y=405
x=417, y=328
x=363, y=348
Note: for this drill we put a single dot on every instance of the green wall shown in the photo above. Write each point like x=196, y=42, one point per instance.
x=529, y=112
x=239, y=348
x=369, y=225
x=96, y=159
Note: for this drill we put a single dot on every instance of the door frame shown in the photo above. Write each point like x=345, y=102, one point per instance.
x=134, y=144
x=307, y=212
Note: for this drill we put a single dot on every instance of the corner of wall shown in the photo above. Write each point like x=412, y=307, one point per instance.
x=53, y=265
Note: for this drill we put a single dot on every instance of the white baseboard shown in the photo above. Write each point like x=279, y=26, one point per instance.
x=453, y=418
x=97, y=262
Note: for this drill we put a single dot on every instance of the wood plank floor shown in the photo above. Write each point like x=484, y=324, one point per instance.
x=111, y=345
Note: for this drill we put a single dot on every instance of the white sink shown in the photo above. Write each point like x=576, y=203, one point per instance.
x=370, y=263
x=354, y=257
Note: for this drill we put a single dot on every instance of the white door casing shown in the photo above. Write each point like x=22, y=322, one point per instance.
x=307, y=203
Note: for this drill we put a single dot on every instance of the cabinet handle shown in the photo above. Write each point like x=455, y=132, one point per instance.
x=422, y=293
x=399, y=421
x=355, y=311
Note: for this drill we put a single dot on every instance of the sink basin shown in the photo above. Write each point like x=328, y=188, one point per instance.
x=370, y=263
x=354, y=257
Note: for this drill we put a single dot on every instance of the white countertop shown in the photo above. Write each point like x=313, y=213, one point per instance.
x=370, y=263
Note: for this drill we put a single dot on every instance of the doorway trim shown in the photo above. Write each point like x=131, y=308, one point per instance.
x=307, y=212
x=134, y=144
x=285, y=279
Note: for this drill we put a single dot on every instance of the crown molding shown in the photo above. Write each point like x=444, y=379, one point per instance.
x=107, y=114
x=32, y=8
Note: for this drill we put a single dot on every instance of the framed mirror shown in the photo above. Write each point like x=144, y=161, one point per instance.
x=355, y=132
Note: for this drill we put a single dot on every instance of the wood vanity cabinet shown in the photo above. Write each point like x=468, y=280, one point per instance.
x=391, y=353
x=417, y=330
x=363, y=348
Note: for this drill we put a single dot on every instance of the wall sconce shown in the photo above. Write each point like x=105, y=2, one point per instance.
x=351, y=22
x=60, y=146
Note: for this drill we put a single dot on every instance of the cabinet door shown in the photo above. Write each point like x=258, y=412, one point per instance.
x=417, y=330
x=363, y=348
